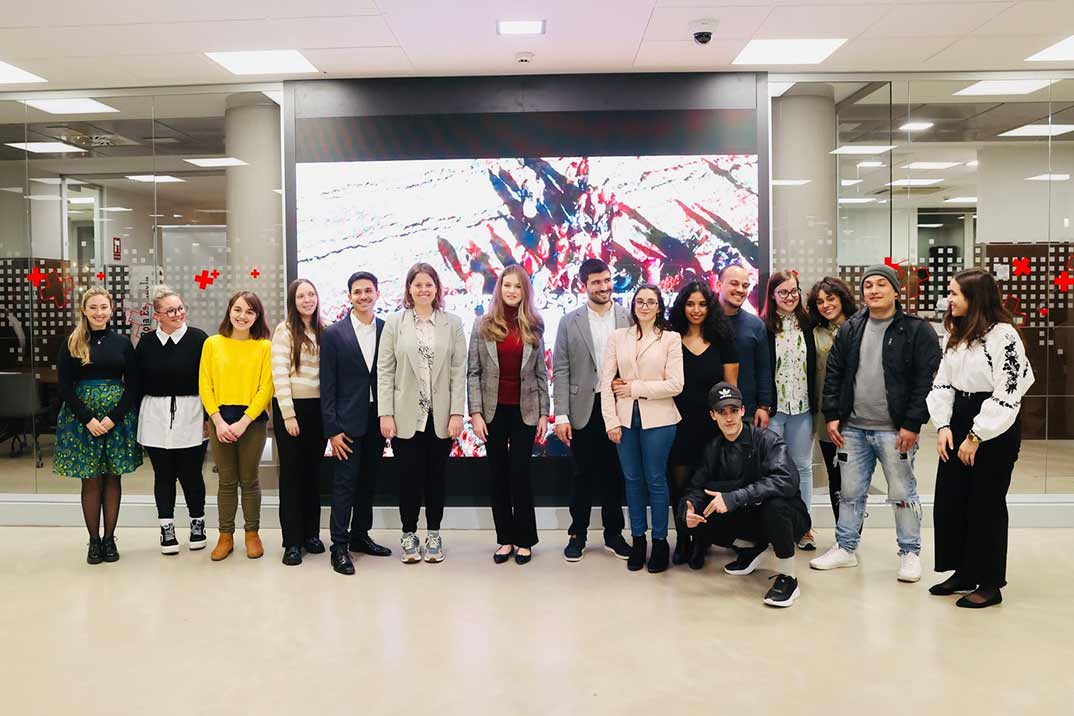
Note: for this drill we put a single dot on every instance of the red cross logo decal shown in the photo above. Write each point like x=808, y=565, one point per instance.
x=215, y=274
x=255, y=273
x=1021, y=266
x=203, y=279
x=100, y=275
x=1064, y=281
x=35, y=276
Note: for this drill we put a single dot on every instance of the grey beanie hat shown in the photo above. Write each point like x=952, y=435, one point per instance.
x=881, y=270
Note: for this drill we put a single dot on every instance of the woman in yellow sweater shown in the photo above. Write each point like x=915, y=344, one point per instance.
x=236, y=386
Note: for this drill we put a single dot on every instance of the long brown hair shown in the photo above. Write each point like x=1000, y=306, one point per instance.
x=530, y=324
x=428, y=270
x=984, y=308
x=297, y=327
x=78, y=341
x=260, y=329
x=770, y=312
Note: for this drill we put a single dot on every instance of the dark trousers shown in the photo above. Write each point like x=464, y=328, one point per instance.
x=509, y=448
x=184, y=465
x=422, y=467
x=300, y=468
x=835, y=477
x=596, y=465
x=354, y=482
x=970, y=511
x=778, y=521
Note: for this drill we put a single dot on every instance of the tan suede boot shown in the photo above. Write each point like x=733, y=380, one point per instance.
x=254, y=548
x=224, y=546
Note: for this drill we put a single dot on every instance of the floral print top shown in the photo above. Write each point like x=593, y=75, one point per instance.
x=792, y=380
x=424, y=330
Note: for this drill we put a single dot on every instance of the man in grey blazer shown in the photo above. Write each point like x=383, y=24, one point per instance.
x=580, y=341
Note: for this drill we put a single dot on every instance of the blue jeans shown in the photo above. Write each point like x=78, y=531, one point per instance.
x=643, y=455
x=858, y=459
x=797, y=432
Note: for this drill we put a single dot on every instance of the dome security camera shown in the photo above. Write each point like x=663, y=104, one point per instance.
x=702, y=30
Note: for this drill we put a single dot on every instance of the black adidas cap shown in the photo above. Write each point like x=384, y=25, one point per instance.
x=723, y=394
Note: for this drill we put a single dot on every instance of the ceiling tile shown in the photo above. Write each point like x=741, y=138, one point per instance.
x=881, y=53
x=820, y=20
x=991, y=53
x=360, y=61
x=718, y=54
x=672, y=24
x=1033, y=17
x=938, y=20
x=60, y=13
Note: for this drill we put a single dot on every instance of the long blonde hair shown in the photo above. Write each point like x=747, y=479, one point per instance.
x=530, y=325
x=78, y=341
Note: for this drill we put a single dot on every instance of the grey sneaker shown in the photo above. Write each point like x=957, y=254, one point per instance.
x=411, y=548
x=434, y=548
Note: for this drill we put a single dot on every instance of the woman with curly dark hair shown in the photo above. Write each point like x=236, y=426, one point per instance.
x=709, y=356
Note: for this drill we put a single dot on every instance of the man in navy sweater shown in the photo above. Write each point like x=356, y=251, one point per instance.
x=751, y=340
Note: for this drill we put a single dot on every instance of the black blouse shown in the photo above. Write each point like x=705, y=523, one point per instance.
x=700, y=373
x=111, y=358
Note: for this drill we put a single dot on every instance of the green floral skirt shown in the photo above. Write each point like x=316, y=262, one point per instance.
x=81, y=455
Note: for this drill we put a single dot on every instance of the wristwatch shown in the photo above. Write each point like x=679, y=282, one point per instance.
x=973, y=438
x=766, y=408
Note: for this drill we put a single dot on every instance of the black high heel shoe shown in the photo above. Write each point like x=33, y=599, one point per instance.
x=990, y=597
x=681, y=555
x=501, y=558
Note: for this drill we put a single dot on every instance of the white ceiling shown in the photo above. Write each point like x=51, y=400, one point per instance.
x=103, y=43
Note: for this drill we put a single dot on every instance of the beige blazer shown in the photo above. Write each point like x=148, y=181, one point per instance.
x=652, y=367
x=397, y=377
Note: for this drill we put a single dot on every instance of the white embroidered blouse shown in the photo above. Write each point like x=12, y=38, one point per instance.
x=996, y=365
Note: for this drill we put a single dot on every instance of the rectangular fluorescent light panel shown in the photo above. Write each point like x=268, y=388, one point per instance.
x=69, y=106
x=42, y=197
x=996, y=88
x=788, y=52
x=80, y=200
x=857, y=200
x=1049, y=177
x=154, y=178
x=263, y=62
x=916, y=126
x=930, y=165
x=871, y=165
x=863, y=149
x=216, y=162
x=1062, y=51
x=790, y=182
x=115, y=208
x=520, y=27
x=53, y=181
x=973, y=164
x=915, y=182
x=776, y=89
x=46, y=147
x=12, y=75
x=961, y=200
x=1039, y=130
x=930, y=226
x=850, y=182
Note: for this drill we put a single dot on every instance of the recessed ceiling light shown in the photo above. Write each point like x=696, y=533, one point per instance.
x=856, y=200
x=114, y=208
x=53, y=181
x=930, y=226
x=994, y=88
x=263, y=62
x=850, y=182
x=46, y=147
x=69, y=106
x=520, y=27
x=156, y=216
x=12, y=189
x=154, y=178
x=916, y=126
x=1039, y=130
x=788, y=52
x=216, y=162
x=1059, y=52
x=80, y=199
x=930, y=165
x=177, y=216
x=42, y=197
x=790, y=182
x=915, y=182
x=12, y=75
x=210, y=211
x=1049, y=177
x=973, y=164
x=961, y=200
x=871, y=165
x=776, y=89
x=863, y=149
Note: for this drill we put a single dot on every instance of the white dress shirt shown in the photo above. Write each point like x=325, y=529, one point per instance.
x=367, y=341
x=157, y=428
x=602, y=328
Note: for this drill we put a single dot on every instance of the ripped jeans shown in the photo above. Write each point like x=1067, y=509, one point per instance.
x=857, y=460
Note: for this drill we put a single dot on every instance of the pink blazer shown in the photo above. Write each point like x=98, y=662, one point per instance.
x=652, y=367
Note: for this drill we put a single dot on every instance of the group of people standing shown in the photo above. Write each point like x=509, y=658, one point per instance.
x=704, y=412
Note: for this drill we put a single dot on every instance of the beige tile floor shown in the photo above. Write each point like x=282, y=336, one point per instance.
x=182, y=635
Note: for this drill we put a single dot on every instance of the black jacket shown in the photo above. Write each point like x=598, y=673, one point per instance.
x=767, y=472
x=811, y=367
x=346, y=380
x=911, y=357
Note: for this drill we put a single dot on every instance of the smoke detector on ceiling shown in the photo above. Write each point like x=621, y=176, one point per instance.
x=525, y=58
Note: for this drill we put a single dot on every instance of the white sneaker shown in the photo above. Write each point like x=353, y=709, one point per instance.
x=411, y=548
x=909, y=567
x=434, y=547
x=834, y=558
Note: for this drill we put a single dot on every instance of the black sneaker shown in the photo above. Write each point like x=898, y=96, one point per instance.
x=783, y=592
x=698, y=549
x=314, y=545
x=658, y=560
x=574, y=550
x=681, y=555
x=341, y=560
x=111, y=552
x=747, y=561
x=197, y=533
x=95, y=554
x=292, y=556
x=636, y=560
x=618, y=546
x=168, y=543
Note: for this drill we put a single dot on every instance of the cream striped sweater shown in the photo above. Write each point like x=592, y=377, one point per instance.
x=290, y=386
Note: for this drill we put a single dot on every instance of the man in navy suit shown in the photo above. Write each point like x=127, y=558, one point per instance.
x=349, y=407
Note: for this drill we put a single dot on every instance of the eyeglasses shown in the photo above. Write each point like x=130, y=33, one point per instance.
x=173, y=312
x=646, y=303
x=788, y=293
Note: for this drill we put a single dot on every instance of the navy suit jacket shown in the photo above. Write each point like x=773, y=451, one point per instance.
x=346, y=381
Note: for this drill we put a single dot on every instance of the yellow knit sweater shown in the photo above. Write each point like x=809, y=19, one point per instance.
x=236, y=373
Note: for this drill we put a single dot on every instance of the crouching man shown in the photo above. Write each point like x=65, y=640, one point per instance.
x=745, y=491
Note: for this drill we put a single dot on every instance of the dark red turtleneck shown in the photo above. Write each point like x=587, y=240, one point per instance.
x=509, y=352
